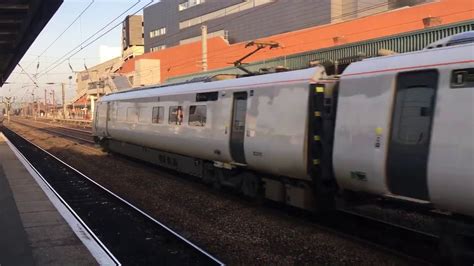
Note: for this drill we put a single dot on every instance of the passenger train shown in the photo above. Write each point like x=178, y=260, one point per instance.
x=398, y=126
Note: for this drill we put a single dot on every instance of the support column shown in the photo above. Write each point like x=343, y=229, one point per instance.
x=204, y=47
x=63, y=97
x=92, y=98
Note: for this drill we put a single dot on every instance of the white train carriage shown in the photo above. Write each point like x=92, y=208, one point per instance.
x=257, y=123
x=405, y=127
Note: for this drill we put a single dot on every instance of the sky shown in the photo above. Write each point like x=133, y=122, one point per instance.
x=98, y=15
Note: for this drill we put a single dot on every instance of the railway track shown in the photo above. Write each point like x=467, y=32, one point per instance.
x=415, y=245
x=131, y=235
x=81, y=135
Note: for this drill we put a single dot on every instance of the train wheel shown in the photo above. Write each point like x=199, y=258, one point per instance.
x=217, y=180
x=103, y=143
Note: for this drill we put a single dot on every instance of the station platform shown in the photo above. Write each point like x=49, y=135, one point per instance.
x=33, y=230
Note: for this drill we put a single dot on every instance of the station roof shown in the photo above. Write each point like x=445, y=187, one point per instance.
x=21, y=21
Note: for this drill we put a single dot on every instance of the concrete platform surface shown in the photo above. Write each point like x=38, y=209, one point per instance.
x=32, y=230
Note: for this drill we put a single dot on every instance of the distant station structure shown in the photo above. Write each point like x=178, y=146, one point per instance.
x=132, y=37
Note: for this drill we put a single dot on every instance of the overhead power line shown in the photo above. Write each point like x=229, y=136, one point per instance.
x=60, y=35
x=29, y=76
x=85, y=43
x=67, y=28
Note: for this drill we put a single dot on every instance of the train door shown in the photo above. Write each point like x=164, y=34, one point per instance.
x=410, y=135
x=107, y=119
x=237, y=132
x=96, y=117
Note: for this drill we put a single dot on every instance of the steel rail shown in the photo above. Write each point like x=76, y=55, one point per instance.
x=383, y=226
x=58, y=132
x=8, y=133
x=394, y=238
x=88, y=231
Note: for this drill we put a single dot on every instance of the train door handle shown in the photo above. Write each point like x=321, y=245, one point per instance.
x=225, y=131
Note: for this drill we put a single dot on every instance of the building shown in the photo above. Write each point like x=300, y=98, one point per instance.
x=94, y=80
x=173, y=22
x=101, y=79
x=90, y=81
x=186, y=59
x=132, y=37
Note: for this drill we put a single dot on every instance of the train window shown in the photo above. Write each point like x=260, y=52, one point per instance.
x=158, y=115
x=207, y=96
x=197, y=115
x=176, y=115
x=462, y=78
x=413, y=114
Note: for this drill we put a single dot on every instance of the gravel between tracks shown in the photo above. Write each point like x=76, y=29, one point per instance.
x=234, y=230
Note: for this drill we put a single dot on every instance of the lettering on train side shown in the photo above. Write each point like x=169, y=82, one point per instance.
x=358, y=175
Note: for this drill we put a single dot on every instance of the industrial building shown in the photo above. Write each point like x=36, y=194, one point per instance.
x=132, y=37
x=403, y=29
x=100, y=79
x=174, y=22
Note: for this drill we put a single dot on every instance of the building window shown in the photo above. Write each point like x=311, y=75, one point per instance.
x=197, y=115
x=176, y=115
x=189, y=3
x=158, y=114
x=157, y=32
x=157, y=48
x=223, y=12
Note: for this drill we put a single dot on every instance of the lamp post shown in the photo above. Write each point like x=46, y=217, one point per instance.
x=8, y=102
x=63, y=97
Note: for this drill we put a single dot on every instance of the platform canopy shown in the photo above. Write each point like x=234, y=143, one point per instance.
x=21, y=21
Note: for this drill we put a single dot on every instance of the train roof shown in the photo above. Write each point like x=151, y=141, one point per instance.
x=429, y=58
x=457, y=39
x=305, y=75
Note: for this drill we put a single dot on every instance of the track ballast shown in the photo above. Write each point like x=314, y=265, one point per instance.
x=130, y=234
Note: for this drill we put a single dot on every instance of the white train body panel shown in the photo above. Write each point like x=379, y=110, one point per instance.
x=275, y=125
x=276, y=137
x=181, y=139
x=364, y=118
x=451, y=165
x=362, y=109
